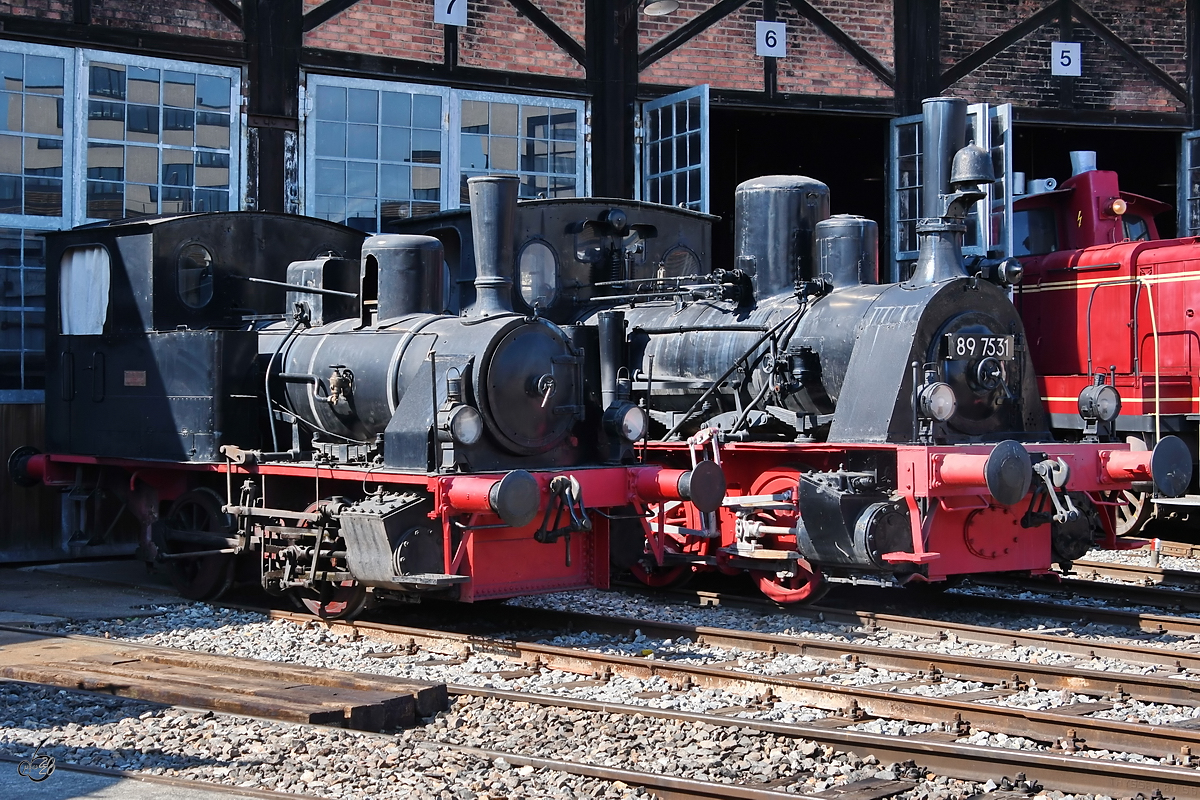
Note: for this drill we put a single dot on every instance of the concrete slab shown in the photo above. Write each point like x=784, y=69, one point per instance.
x=31, y=593
x=124, y=572
x=65, y=784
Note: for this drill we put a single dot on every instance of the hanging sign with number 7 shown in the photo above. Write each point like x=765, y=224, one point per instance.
x=450, y=12
x=770, y=39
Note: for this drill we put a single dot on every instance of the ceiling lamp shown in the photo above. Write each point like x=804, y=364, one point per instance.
x=660, y=8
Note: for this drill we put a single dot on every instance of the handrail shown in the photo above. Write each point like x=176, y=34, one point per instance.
x=1142, y=279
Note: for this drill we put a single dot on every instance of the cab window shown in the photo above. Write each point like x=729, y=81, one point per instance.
x=1035, y=232
x=1136, y=229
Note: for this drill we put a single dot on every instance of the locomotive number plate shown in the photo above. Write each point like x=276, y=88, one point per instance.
x=972, y=345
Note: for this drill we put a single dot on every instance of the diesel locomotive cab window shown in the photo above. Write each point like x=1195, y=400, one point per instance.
x=1136, y=229
x=1035, y=232
x=194, y=275
x=537, y=273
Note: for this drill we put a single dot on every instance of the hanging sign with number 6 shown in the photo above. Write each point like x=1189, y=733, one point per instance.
x=770, y=39
x=450, y=12
x=1066, y=58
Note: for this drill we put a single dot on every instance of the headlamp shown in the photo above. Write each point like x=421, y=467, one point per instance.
x=937, y=401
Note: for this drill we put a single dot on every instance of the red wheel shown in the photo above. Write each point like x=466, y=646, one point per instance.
x=202, y=578
x=329, y=600
x=332, y=601
x=808, y=585
x=649, y=572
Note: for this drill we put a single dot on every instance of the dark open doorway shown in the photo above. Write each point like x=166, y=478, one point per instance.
x=1144, y=160
x=848, y=154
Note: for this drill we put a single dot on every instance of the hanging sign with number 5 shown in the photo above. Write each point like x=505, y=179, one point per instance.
x=770, y=39
x=1066, y=58
x=450, y=12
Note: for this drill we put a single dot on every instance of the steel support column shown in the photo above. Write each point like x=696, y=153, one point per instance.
x=918, y=53
x=274, y=36
x=612, y=79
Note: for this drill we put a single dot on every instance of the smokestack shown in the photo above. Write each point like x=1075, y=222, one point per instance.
x=493, y=221
x=944, y=128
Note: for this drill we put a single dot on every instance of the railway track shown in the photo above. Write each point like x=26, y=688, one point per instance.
x=1062, y=731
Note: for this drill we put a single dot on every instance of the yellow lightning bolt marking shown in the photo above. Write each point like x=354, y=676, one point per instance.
x=1079, y=220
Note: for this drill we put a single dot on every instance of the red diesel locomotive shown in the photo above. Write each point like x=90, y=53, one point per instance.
x=1106, y=302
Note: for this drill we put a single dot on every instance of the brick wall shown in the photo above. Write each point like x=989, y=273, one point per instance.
x=496, y=36
x=1021, y=73
x=499, y=38
x=41, y=9
x=392, y=28
x=818, y=65
x=723, y=56
x=182, y=17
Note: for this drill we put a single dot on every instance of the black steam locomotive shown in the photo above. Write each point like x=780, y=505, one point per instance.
x=275, y=397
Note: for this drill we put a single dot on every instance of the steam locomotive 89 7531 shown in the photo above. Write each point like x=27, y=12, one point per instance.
x=259, y=397
x=889, y=430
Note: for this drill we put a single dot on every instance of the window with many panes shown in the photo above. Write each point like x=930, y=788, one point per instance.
x=87, y=135
x=378, y=151
x=160, y=138
x=519, y=136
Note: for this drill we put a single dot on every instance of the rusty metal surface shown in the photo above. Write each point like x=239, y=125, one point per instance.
x=221, y=683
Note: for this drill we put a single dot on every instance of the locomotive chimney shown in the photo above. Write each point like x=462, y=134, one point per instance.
x=953, y=175
x=493, y=221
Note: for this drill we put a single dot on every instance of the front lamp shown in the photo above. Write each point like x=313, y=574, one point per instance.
x=627, y=421
x=464, y=425
x=1101, y=402
x=937, y=401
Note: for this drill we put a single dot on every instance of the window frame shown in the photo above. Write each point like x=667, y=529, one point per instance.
x=451, y=133
x=69, y=177
x=237, y=124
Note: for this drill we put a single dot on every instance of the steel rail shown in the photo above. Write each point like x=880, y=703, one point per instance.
x=667, y=787
x=856, y=703
x=1067, y=773
x=1081, y=584
x=848, y=656
x=1175, y=659
x=168, y=780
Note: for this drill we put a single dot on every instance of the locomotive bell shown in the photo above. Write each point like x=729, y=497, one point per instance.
x=972, y=166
